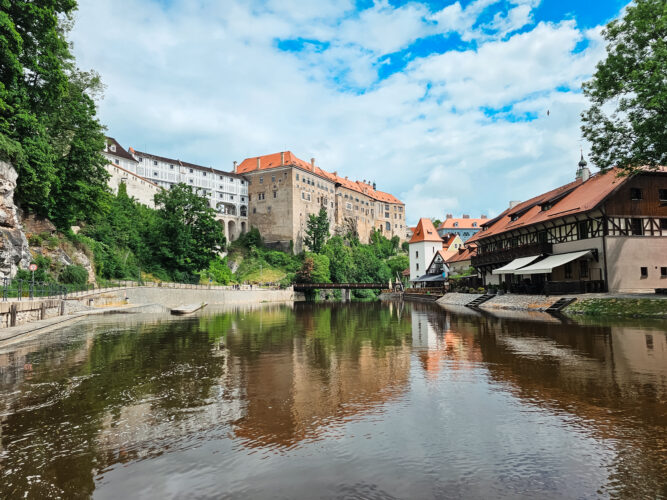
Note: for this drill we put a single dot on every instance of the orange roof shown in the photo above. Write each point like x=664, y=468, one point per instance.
x=450, y=239
x=425, y=231
x=274, y=160
x=462, y=223
x=462, y=255
x=572, y=198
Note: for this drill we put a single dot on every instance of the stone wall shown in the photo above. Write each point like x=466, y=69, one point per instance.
x=14, y=253
x=27, y=311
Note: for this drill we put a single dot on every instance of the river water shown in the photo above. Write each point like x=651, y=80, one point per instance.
x=360, y=400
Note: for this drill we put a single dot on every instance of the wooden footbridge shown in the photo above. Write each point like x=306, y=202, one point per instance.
x=300, y=287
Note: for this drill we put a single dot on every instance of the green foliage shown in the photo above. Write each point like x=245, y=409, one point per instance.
x=186, y=236
x=398, y=264
x=405, y=246
x=630, y=83
x=315, y=269
x=436, y=222
x=48, y=127
x=218, y=271
x=249, y=239
x=317, y=231
x=74, y=275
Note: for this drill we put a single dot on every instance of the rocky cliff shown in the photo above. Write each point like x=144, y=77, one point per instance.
x=14, y=251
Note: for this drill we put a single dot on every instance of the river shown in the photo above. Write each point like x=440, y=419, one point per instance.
x=358, y=400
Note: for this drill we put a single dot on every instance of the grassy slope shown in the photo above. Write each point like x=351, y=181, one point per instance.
x=620, y=307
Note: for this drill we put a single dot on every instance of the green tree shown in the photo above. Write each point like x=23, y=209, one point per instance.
x=340, y=260
x=48, y=128
x=625, y=122
x=186, y=235
x=317, y=231
x=315, y=269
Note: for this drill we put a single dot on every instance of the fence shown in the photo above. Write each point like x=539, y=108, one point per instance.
x=27, y=289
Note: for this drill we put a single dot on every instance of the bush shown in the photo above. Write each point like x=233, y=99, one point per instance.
x=481, y=289
x=52, y=242
x=34, y=240
x=74, y=275
x=471, y=290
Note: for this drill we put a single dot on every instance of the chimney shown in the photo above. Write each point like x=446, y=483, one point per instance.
x=514, y=203
x=282, y=158
x=258, y=162
x=466, y=216
x=482, y=216
x=235, y=167
x=312, y=163
x=449, y=216
x=335, y=173
x=583, y=172
x=374, y=188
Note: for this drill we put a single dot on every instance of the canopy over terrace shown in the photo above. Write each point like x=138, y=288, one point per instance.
x=516, y=264
x=547, y=265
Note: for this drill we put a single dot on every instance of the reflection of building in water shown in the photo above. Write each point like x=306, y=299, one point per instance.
x=431, y=331
x=295, y=395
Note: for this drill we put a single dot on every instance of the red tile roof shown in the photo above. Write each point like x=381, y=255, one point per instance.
x=572, y=198
x=425, y=231
x=274, y=160
x=463, y=223
x=463, y=254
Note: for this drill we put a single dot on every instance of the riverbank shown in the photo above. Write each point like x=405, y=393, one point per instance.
x=619, y=305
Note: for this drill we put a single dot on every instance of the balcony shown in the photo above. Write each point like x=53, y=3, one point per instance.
x=509, y=254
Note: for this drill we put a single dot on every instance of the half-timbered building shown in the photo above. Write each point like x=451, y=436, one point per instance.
x=601, y=232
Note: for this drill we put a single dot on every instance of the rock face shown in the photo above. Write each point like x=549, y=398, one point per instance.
x=14, y=252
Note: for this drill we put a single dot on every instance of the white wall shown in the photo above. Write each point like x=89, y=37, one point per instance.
x=421, y=255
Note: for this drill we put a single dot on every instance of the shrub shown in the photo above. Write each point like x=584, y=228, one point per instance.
x=34, y=240
x=471, y=290
x=481, y=289
x=52, y=242
x=74, y=275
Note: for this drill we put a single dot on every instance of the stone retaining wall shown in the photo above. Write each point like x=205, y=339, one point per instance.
x=18, y=313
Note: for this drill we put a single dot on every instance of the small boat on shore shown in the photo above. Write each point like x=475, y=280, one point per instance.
x=187, y=308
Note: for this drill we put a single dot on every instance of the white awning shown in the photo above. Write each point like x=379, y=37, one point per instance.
x=546, y=266
x=515, y=264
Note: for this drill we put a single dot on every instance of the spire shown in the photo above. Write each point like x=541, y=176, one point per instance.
x=583, y=172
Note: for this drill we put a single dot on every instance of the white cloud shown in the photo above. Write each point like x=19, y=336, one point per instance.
x=207, y=83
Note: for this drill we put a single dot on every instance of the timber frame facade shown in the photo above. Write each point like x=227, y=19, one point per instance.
x=622, y=222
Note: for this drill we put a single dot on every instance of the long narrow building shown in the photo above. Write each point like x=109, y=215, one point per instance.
x=597, y=233
x=284, y=190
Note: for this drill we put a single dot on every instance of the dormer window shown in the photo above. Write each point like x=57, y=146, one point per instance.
x=546, y=206
x=456, y=224
x=635, y=194
x=113, y=148
x=474, y=224
x=514, y=217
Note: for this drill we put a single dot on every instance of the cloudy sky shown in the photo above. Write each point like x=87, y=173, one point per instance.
x=441, y=103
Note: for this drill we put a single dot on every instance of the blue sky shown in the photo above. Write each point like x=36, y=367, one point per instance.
x=442, y=103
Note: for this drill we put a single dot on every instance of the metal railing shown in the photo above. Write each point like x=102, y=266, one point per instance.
x=19, y=289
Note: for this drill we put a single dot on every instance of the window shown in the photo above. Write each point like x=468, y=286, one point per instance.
x=204, y=174
x=643, y=272
x=582, y=229
x=297, y=177
x=261, y=180
x=171, y=167
x=417, y=267
x=260, y=196
x=636, y=227
x=417, y=254
x=191, y=181
x=141, y=160
x=220, y=176
x=474, y=224
x=388, y=226
x=192, y=171
x=386, y=215
x=273, y=178
x=254, y=210
x=275, y=194
x=635, y=194
x=241, y=183
x=663, y=272
x=348, y=206
x=154, y=162
x=583, y=269
x=662, y=194
x=456, y=224
x=155, y=174
x=663, y=224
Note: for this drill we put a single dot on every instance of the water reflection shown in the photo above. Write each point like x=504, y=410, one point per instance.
x=372, y=399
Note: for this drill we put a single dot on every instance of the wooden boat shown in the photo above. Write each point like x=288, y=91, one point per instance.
x=187, y=308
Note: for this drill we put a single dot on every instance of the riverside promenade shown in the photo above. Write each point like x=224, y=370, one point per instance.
x=19, y=314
